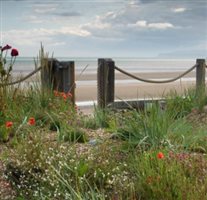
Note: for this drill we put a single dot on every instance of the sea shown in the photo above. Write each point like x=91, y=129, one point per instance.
x=26, y=64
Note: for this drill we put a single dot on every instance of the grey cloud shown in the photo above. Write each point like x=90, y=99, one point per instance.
x=157, y=11
x=67, y=14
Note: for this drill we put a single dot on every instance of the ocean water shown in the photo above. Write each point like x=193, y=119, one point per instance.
x=26, y=64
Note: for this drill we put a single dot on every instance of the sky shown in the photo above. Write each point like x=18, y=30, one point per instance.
x=106, y=28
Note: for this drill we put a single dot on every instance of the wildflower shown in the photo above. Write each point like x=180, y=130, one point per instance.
x=9, y=124
x=5, y=70
x=14, y=52
x=6, y=47
x=56, y=93
x=160, y=155
x=63, y=95
x=31, y=121
x=69, y=95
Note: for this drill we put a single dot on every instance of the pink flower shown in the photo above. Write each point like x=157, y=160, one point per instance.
x=14, y=52
x=160, y=155
x=6, y=47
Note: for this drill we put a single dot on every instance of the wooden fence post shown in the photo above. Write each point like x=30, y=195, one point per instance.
x=66, y=78
x=200, y=77
x=60, y=76
x=72, y=84
x=47, y=78
x=105, y=82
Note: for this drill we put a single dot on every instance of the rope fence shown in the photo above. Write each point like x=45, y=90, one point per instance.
x=22, y=79
x=106, y=81
x=156, y=81
x=60, y=75
x=55, y=75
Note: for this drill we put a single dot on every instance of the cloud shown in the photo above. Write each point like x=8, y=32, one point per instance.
x=144, y=24
x=97, y=24
x=140, y=24
x=78, y=31
x=162, y=26
x=45, y=10
x=33, y=19
x=105, y=27
x=58, y=44
x=67, y=14
x=133, y=3
x=179, y=10
x=32, y=37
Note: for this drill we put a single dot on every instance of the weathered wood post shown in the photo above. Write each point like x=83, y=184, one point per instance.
x=200, y=77
x=65, y=81
x=60, y=76
x=72, y=84
x=105, y=82
x=46, y=72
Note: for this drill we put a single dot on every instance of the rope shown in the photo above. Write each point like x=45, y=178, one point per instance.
x=22, y=79
x=154, y=81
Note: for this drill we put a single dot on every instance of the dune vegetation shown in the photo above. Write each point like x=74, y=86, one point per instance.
x=50, y=150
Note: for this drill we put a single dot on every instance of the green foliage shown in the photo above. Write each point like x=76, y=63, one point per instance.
x=72, y=134
x=40, y=166
x=4, y=134
x=183, y=135
x=75, y=135
x=54, y=126
x=146, y=129
x=176, y=176
x=89, y=122
x=180, y=106
x=101, y=117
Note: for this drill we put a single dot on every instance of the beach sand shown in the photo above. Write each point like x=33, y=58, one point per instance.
x=135, y=89
x=128, y=88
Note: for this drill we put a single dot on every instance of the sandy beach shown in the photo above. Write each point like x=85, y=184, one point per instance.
x=127, y=88
x=134, y=89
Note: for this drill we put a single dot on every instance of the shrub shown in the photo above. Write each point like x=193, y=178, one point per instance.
x=146, y=129
x=180, y=106
x=176, y=176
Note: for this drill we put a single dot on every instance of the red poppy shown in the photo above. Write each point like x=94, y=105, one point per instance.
x=6, y=47
x=160, y=155
x=56, y=93
x=9, y=124
x=69, y=95
x=14, y=52
x=31, y=121
x=63, y=95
